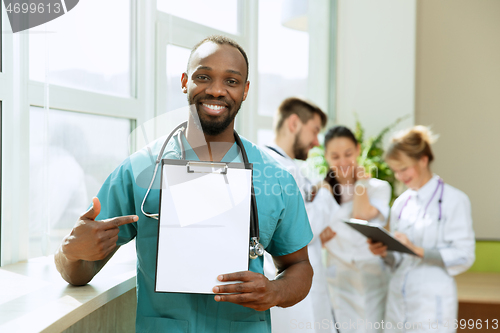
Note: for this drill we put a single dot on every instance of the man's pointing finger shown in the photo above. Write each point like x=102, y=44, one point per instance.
x=115, y=222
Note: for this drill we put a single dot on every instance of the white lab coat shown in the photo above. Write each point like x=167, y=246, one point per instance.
x=358, y=279
x=314, y=313
x=423, y=290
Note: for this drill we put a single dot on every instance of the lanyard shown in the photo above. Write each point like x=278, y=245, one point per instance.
x=440, y=184
x=256, y=249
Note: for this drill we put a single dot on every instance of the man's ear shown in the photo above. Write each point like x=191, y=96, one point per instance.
x=294, y=123
x=245, y=93
x=184, y=80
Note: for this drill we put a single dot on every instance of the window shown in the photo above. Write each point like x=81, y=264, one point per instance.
x=283, y=59
x=179, y=29
x=279, y=56
x=218, y=14
x=177, y=58
x=72, y=90
x=71, y=155
x=265, y=136
x=86, y=48
x=80, y=123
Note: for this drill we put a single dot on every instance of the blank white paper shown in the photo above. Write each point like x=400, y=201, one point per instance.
x=204, y=228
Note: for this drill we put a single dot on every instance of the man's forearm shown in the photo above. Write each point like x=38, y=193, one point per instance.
x=294, y=283
x=78, y=272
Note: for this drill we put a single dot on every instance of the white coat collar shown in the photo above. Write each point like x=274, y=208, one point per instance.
x=428, y=189
x=278, y=148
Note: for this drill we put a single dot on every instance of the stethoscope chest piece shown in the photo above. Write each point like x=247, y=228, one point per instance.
x=256, y=248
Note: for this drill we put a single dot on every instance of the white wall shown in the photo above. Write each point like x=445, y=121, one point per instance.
x=375, y=62
x=458, y=93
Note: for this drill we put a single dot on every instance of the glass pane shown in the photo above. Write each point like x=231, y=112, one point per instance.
x=87, y=48
x=218, y=14
x=283, y=59
x=67, y=172
x=177, y=58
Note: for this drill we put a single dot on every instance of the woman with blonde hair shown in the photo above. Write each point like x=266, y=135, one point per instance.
x=434, y=220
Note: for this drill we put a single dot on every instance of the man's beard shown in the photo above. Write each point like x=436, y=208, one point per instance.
x=299, y=150
x=216, y=127
x=211, y=126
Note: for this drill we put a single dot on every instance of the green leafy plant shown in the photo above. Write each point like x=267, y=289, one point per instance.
x=371, y=156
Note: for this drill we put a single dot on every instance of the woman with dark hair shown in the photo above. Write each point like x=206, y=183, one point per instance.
x=434, y=220
x=357, y=278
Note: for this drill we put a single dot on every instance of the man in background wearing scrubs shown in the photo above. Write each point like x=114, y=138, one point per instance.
x=216, y=83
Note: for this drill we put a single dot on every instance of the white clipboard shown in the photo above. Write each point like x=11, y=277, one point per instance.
x=204, y=224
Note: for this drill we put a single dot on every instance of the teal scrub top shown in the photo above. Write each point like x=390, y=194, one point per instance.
x=283, y=223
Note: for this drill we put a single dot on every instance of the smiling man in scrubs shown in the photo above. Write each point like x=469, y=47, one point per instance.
x=216, y=83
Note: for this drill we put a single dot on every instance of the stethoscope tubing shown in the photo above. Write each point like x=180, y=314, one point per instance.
x=157, y=163
x=440, y=184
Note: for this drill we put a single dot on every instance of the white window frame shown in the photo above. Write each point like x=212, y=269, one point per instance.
x=321, y=75
x=15, y=144
x=322, y=60
x=320, y=79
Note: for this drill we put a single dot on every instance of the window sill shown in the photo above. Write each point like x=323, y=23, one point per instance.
x=35, y=298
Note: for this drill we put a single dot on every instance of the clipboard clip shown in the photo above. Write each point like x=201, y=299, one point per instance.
x=207, y=167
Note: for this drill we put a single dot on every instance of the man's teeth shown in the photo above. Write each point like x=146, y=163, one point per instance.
x=214, y=107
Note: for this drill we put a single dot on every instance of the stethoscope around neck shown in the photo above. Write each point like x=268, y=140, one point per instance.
x=256, y=249
x=440, y=201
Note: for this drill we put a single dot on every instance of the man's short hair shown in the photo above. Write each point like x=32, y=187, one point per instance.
x=305, y=110
x=220, y=40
